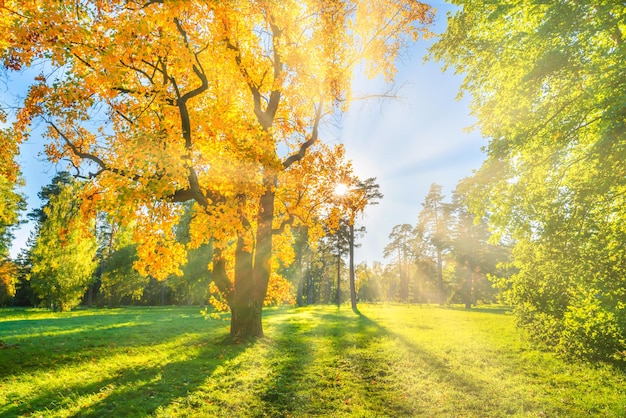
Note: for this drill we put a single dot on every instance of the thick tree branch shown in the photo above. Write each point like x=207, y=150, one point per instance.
x=314, y=135
x=283, y=224
x=193, y=192
x=76, y=151
x=265, y=117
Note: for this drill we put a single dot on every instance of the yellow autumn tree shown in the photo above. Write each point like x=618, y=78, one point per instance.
x=161, y=102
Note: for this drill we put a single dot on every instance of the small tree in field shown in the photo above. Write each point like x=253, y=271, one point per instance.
x=63, y=256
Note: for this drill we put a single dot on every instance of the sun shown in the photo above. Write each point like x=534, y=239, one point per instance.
x=341, y=189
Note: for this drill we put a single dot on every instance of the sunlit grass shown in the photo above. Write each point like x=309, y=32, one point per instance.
x=392, y=360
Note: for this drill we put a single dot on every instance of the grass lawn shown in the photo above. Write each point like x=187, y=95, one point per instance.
x=392, y=360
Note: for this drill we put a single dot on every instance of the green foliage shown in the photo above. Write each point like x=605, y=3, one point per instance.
x=119, y=278
x=433, y=229
x=590, y=330
x=402, y=248
x=547, y=86
x=8, y=280
x=446, y=257
x=192, y=287
x=11, y=204
x=63, y=255
x=391, y=361
x=24, y=294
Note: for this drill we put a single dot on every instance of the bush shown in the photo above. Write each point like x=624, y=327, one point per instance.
x=592, y=331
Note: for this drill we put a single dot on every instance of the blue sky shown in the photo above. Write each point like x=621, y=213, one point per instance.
x=410, y=143
x=407, y=144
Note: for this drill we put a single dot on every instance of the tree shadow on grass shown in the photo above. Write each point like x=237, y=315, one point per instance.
x=135, y=390
x=136, y=384
x=51, y=344
x=326, y=363
x=474, y=394
x=360, y=369
x=289, y=358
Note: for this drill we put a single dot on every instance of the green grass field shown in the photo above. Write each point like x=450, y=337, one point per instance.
x=392, y=360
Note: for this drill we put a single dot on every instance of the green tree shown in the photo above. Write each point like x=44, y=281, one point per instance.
x=63, y=255
x=352, y=195
x=402, y=247
x=547, y=85
x=475, y=257
x=192, y=287
x=119, y=278
x=47, y=192
x=11, y=202
x=433, y=231
x=24, y=294
x=369, y=288
x=321, y=274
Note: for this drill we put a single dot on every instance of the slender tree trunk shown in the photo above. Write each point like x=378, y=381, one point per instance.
x=338, y=271
x=352, y=278
x=310, y=290
x=90, y=296
x=302, y=250
x=299, y=272
x=404, y=290
x=407, y=272
x=310, y=285
x=440, y=277
x=468, y=286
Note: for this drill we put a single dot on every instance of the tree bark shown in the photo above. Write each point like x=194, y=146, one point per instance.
x=299, y=268
x=246, y=320
x=252, y=272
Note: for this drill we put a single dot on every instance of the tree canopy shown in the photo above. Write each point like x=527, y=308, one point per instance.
x=547, y=84
x=64, y=253
x=217, y=102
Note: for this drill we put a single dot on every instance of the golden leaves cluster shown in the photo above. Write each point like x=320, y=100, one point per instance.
x=207, y=98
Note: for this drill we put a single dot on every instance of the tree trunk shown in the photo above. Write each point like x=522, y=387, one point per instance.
x=246, y=320
x=301, y=252
x=252, y=272
x=440, y=277
x=352, y=279
x=338, y=271
x=468, y=285
x=90, y=296
x=299, y=272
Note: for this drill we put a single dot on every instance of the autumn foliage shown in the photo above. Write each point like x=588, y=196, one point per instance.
x=159, y=103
